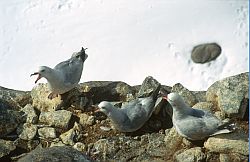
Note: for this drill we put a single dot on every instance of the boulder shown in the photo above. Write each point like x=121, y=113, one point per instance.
x=187, y=95
x=31, y=116
x=233, y=157
x=6, y=147
x=148, y=86
x=235, y=142
x=47, y=132
x=57, y=153
x=58, y=119
x=208, y=106
x=230, y=95
x=191, y=155
x=204, y=53
x=28, y=131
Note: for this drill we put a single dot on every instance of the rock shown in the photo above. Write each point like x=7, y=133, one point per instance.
x=57, y=153
x=86, y=120
x=28, y=131
x=233, y=157
x=208, y=106
x=187, y=95
x=9, y=118
x=27, y=145
x=47, y=132
x=148, y=86
x=229, y=94
x=204, y=53
x=200, y=96
x=71, y=136
x=6, y=147
x=80, y=146
x=57, y=142
x=16, y=98
x=107, y=90
x=40, y=99
x=30, y=113
x=173, y=141
x=235, y=142
x=191, y=155
x=59, y=118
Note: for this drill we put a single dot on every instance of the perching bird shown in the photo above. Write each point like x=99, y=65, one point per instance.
x=65, y=75
x=195, y=124
x=131, y=116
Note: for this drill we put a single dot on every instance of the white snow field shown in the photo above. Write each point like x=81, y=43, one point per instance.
x=127, y=40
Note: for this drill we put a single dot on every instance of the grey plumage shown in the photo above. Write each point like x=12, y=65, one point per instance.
x=195, y=124
x=132, y=115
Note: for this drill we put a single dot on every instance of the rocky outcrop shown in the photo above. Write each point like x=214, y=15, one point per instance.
x=230, y=95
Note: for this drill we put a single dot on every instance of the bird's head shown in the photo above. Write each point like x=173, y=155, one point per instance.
x=105, y=107
x=174, y=99
x=43, y=71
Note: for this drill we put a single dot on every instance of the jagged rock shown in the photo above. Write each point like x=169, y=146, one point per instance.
x=148, y=86
x=228, y=143
x=59, y=118
x=191, y=155
x=40, y=99
x=57, y=142
x=200, y=96
x=208, y=106
x=107, y=91
x=86, y=120
x=28, y=131
x=233, y=157
x=187, y=95
x=71, y=136
x=47, y=132
x=27, y=145
x=16, y=98
x=57, y=153
x=9, y=118
x=173, y=141
x=230, y=95
x=80, y=146
x=30, y=113
x=6, y=147
x=205, y=52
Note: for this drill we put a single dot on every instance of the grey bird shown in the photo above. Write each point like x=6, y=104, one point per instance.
x=195, y=124
x=133, y=115
x=65, y=75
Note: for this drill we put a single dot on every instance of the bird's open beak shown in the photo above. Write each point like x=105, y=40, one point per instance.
x=39, y=76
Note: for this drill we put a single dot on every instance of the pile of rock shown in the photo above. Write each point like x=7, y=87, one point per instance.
x=33, y=127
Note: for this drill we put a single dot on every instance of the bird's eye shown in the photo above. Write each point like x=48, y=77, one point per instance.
x=42, y=71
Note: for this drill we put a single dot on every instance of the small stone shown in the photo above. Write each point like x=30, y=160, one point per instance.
x=191, y=155
x=47, y=132
x=233, y=157
x=71, y=136
x=187, y=95
x=27, y=145
x=6, y=147
x=229, y=94
x=86, y=120
x=31, y=114
x=57, y=143
x=29, y=131
x=80, y=146
x=204, y=53
x=59, y=119
x=228, y=143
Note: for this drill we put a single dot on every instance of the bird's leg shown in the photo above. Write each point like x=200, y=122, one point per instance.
x=52, y=95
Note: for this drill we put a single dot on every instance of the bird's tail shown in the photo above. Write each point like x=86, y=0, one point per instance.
x=225, y=128
x=83, y=55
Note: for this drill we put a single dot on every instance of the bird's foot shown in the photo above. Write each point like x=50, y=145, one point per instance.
x=52, y=95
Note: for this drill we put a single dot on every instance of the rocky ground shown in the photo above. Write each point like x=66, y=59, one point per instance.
x=34, y=128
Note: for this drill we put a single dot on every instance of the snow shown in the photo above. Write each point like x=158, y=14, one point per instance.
x=126, y=40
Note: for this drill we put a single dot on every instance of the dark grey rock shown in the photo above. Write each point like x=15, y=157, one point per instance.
x=9, y=118
x=58, y=119
x=16, y=98
x=47, y=132
x=27, y=145
x=187, y=95
x=57, y=153
x=107, y=91
x=6, y=147
x=205, y=52
x=230, y=95
x=148, y=86
x=191, y=155
x=28, y=131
